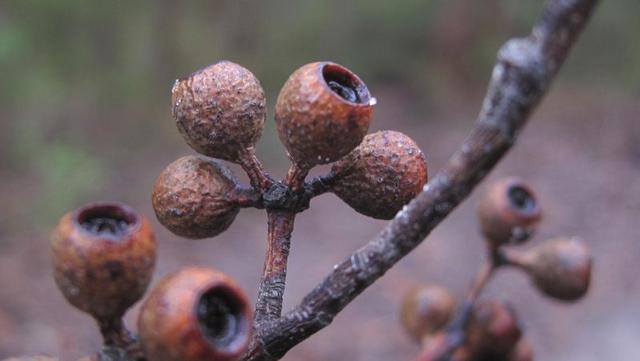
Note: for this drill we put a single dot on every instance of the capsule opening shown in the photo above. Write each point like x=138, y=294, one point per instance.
x=107, y=219
x=222, y=318
x=345, y=84
x=521, y=198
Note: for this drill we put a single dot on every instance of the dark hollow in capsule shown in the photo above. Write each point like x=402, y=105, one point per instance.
x=341, y=83
x=106, y=220
x=521, y=198
x=220, y=317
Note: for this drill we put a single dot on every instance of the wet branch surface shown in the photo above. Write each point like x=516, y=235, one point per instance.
x=524, y=70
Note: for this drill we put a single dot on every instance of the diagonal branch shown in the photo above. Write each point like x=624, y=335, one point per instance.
x=522, y=75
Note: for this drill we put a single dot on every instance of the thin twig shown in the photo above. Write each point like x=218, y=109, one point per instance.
x=456, y=331
x=250, y=163
x=520, y=78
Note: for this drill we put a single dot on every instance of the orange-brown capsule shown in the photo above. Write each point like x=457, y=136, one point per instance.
x=193, y=197
x=493, y=331
x=220, y=110
x=560, y=268
x=103, y=257
x=381, y=175
x=195, y=314
x=426, y=309
x=323, y=111
x=509, y=212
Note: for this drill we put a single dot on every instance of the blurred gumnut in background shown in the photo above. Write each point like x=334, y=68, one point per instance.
x=560, y=268
x=103, y=257
x=509, y=212
x=426, y=309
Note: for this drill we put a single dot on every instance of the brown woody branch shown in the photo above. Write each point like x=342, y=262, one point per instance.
x=274, y=274
x=522, y=75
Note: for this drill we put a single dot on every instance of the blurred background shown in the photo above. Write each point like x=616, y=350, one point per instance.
x=84, y=115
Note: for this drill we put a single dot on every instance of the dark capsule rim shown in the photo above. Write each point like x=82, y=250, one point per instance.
x=533, y=210
x=338, y=70
x=108, y=209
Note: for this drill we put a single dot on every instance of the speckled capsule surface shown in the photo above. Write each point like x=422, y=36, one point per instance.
x=192, y=197
x=381, y=175
x=426, y=309
x=195, y=314
x=322, y=113
x=220, y=110
x=561, y=268
x=509, y=212
x=103, y=257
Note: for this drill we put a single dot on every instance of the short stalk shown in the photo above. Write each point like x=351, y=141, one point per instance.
x=250, y=163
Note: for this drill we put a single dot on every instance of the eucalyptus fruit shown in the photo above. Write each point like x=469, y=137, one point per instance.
x=426, y=309
x=323, y=111
x=381, y=175
x=195, y=314
x=103, y=258
x=220, y=110
x=494, y=330
x=193, y=197
x=509, y=212
x=560, y=268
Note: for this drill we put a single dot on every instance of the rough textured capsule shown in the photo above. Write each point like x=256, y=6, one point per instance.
x=323, y=111
x=381, y=175
x=509, y=212
x=195, y=314
x=426, y=309
x=560, y=268
x=103, y=257
x=220, y=110
x=192, y=197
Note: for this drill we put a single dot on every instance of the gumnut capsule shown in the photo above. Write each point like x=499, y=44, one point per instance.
x=323, y=111
x=509, y=212
x=493, y=331
x=103, y=257
x=195, y=314
x=426, y=309
x=381, y=175
x=560, y=268
x=193, y=197
x=220, y=110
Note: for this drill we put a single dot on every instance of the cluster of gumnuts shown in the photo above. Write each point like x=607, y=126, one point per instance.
x=104, y=253
x=489, y=330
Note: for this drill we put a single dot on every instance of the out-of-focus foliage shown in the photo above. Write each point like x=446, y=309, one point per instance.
x=82, y=83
